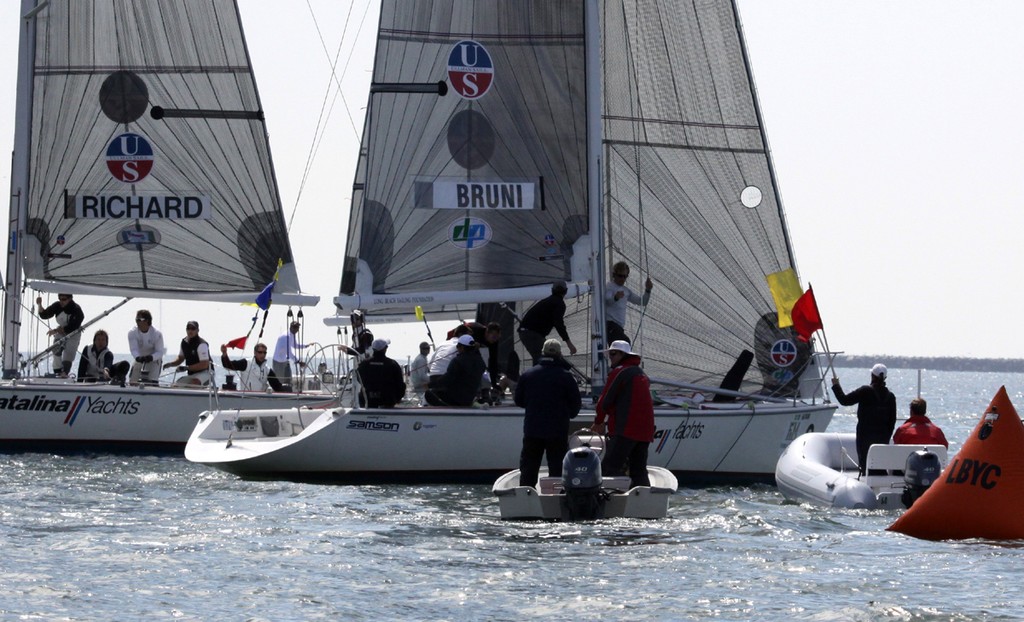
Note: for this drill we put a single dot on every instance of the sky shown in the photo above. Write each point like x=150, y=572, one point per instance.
x=894, y=129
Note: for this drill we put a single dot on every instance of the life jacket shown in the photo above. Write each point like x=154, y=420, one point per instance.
x=190, y=347
x=254, y=376
x=94, y=361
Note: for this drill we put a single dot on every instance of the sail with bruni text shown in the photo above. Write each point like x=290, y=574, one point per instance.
x=484, y=193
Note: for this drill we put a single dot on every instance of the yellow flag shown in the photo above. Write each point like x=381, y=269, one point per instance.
x=419, y=313
x=786, y=290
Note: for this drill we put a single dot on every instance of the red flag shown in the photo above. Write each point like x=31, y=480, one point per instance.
x=806, y=318
x=238, y=343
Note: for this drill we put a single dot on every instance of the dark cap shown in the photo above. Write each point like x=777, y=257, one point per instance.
x=192, y=324
x=295, y=324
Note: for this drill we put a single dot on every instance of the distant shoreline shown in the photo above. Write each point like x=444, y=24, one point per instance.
x=942, y=363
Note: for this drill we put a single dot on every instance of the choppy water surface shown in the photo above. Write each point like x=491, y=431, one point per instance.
x=113, y=538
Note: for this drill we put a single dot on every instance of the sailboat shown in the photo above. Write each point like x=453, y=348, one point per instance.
x=513, y=144
x=141, y=168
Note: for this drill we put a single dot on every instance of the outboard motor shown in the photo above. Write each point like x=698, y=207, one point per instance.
x=581, y=482
x=921, y=470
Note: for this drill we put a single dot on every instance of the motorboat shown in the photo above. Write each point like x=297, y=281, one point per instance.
x=581, y=493
x=821, y=468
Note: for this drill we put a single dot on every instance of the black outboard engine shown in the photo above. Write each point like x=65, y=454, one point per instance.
x=581, y=482
x=922, y=469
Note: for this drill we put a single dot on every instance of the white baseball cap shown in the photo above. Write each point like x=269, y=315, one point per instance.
x=880, y=371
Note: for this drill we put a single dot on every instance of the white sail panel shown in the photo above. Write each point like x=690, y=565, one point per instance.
x=114, y=191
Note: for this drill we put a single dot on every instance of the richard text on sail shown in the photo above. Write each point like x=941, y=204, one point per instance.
x=142, y=207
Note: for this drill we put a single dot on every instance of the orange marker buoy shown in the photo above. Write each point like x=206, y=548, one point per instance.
x=980, y=493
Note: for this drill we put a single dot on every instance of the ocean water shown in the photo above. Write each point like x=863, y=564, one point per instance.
x=113, y=538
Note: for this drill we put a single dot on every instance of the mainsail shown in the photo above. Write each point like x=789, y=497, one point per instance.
x=486, y=187
x=120, y=202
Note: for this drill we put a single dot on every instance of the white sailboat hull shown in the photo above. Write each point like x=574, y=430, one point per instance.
x=711, y=443
x=821, y=469
x=55, y=415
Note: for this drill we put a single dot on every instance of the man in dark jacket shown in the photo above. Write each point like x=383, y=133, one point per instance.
x=876, y=412
x=543, y=316
x=551, y=398
x=626, y=402
x=382, y=378
x=461, y=382
x=69, y=317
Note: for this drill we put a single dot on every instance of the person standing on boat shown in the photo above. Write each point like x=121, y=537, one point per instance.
x=616, y=295
x=69, y=317
x=284, y=354
x=419, y=373
x=919, y=429
x=626, y=403
x=97, y=362
x=460, y=383
x=876, y=412
x=146, y=344
x=544, y=315
x=382, y=378
x=551, y=398
x=255, y=374
x=195, y=353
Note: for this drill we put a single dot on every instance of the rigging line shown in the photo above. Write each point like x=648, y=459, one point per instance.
x=321, y=127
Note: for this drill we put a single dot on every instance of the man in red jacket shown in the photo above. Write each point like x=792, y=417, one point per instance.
x=626, y=403
x=919, y=430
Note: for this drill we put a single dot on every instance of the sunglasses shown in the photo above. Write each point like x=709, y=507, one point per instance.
x=63, y=298
x=620, y=275
x=261, y=351
x=141, y=319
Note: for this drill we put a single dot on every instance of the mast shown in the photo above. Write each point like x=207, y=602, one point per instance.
x=592, y=52
x=19, y=187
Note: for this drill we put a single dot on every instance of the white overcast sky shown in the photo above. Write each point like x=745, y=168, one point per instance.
x=895, y=129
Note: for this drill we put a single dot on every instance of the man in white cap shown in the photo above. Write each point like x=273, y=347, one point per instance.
x=876, y=412
x=460, y=384
x=626, y=403
x=383, y=383
x=548, y=393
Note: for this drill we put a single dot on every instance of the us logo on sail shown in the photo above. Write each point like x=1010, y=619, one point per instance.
x=129, y=158
x=470, y=69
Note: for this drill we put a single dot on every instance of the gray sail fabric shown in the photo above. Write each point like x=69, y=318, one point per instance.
x=682, y=143
x=101, y=66
x=528, y=131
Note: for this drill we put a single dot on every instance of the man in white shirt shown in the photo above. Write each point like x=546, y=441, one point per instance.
x=284, y=354
x=146, y=344
x=616, y=295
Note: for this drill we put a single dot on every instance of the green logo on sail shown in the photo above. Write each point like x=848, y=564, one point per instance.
x=469, y=233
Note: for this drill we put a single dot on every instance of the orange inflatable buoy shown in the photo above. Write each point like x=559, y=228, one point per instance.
x=980, y=493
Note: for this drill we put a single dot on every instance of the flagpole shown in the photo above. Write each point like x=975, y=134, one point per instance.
x=824, y=338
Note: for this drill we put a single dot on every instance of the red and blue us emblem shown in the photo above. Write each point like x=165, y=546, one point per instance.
x=783, y=352
x=470, y=69
x=129, y=158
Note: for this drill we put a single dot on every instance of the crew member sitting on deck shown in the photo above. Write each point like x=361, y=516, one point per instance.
x=255, y=374
x=97, y=362
x=195, y=353
x=461, y=381
x=918, y=429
